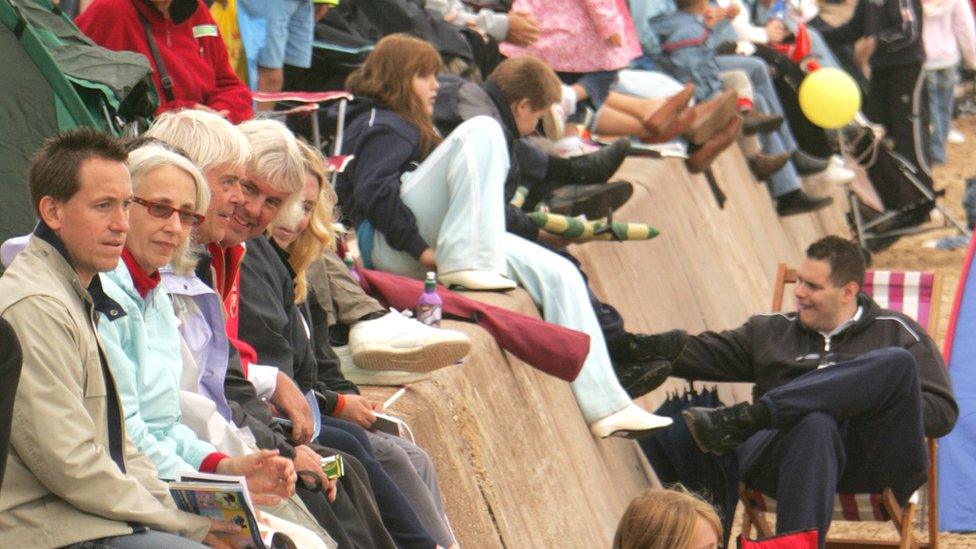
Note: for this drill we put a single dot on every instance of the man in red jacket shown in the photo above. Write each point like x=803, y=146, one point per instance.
x=191, y=69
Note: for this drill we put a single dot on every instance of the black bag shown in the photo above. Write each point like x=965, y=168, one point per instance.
x=899, y=183
x=676, y=459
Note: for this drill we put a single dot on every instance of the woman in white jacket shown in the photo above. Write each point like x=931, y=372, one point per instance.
x=949, y=36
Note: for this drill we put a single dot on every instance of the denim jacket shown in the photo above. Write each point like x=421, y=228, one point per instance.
x=688, y=52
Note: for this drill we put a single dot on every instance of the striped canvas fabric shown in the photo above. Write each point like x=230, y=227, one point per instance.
x=852, y=507
x=907, y=292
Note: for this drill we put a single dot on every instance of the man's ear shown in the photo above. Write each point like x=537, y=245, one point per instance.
x=521, y=104
x=850, y=291
x=50, y=212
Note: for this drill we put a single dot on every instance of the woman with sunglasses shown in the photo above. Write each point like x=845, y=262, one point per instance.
x=142, y=340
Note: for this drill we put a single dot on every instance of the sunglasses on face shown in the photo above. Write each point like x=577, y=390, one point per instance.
x=164, y=211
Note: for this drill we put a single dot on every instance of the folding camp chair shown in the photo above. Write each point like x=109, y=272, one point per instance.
x=918, y=295
x=309, y=104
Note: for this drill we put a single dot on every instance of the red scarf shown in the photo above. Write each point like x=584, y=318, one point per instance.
x=143, y=282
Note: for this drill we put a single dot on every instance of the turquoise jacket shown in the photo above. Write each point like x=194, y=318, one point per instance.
x=143, y=348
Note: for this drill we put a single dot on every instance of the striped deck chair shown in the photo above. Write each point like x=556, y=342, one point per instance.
x=918, y=295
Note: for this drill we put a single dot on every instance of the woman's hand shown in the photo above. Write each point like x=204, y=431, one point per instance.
x=270, y=478
x=359, y=410
x=427, y=259
x=218, y=527
x=522, y=28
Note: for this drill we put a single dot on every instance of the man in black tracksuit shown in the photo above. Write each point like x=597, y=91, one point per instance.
x=846, y=393
x=896, y=92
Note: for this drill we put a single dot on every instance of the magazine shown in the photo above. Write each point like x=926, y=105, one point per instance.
x=225, y=498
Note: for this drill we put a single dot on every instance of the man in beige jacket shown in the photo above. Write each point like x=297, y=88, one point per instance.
x=72, y=475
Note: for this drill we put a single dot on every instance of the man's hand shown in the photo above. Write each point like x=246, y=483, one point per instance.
x=614, y=41
x=216, y=527
x=713, y=16
x=307, y=459
x=775, y=31
x=359, y=410
x=320, y=11
x=270, y=478
x=427, y=259
x=290, y=401
x=522, y=28
x=732, y=11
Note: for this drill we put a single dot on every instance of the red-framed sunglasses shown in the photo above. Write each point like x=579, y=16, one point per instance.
x=164, y=211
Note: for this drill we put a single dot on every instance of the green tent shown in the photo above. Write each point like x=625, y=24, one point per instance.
x=52, y=78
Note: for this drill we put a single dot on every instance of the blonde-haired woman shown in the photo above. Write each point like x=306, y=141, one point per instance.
x=668, y=519
x=304, y=243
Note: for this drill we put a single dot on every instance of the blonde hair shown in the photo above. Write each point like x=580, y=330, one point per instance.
x=664, y=519
x=320, y=234
x=147, y=158
x=207, y=138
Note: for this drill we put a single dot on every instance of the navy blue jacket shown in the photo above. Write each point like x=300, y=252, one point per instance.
x=384, y=146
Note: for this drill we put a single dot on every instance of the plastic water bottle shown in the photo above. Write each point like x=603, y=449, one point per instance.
x=778, y=11
x=429, y=306
x=352, y=269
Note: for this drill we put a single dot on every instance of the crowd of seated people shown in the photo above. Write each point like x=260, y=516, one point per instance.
x=182, y=302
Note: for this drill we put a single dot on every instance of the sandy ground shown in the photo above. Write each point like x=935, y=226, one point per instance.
x=910, y=253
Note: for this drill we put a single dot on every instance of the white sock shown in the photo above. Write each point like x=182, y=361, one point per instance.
x=569, y=100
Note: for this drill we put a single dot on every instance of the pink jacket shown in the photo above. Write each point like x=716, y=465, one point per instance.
x=948, y=29
x=572, y=34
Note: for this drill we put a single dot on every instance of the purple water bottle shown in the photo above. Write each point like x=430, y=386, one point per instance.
x=430, y=304
x=352, y=269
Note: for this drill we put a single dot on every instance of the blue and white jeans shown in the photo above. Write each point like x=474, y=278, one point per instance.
x=940, y=84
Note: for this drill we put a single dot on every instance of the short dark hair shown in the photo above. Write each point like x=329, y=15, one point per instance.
x=844, y=257
x=529, y=78
x=54, y=168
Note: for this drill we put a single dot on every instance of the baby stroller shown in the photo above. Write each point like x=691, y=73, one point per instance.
x=895, y=199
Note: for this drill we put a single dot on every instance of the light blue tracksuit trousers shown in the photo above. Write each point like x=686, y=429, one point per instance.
x=765, y=99
x=457, y=197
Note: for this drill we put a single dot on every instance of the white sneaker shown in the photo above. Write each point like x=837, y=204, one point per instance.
x=955, y=137
x=631, y=422
x=833, y=175
x=395, y=342
x=374, y=377
x=476, y=280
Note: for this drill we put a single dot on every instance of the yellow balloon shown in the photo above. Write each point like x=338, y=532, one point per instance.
x=829, y=98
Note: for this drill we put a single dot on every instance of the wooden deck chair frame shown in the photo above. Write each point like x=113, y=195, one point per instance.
x=900, y=517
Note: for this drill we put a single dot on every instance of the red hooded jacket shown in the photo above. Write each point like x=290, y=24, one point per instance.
x=189, y=44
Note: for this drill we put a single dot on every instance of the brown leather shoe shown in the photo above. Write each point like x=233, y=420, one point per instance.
x=711, y=116
x=677, y=127
x=699, y=160
x=757, y=122
x=658, y=121
x=765, y=165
